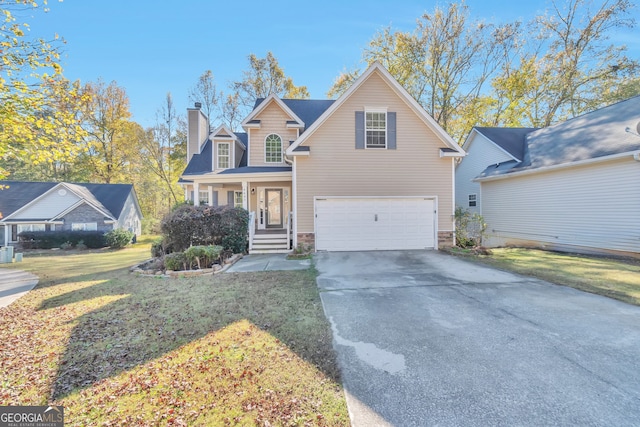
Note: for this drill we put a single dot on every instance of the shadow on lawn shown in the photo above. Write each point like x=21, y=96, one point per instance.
x=152, y=317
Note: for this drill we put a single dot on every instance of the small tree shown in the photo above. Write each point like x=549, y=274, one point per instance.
x=470, y=228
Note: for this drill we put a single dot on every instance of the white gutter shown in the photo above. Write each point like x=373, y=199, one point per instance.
x=551, y=168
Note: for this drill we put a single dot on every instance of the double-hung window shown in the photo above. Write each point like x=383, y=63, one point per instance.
x=273, y=149
x=203, y=197
x=376, y=129
x=473, y=198
x=237, y=199
x=223, y=155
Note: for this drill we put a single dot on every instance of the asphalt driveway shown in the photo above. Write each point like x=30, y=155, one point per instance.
x=424, y=338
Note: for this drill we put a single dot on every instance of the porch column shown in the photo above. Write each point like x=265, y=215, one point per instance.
x=210, y=196
x=196, y=195
x=7, y=232
x=245, y=195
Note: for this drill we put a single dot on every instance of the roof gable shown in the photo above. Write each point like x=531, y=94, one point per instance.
x=21, y=195
x=17, y=194
x=377, y=68
x=252, y=117
x=510, y=140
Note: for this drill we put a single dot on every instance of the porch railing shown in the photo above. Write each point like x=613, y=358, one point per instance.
x=289, y=229
x=252, y=228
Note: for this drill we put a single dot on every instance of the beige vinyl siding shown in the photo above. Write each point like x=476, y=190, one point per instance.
x=336, y=168
x=481, y=153
x=594, y=206
x=49, y=206
x=272, y=120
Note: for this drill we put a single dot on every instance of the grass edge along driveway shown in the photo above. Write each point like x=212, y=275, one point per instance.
x=116, y=349
x=617, y=278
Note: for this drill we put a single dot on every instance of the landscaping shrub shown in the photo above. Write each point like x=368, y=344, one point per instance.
x=55, y=239
x=176, y=261
x=66, y=246
x=118, y=238
x=225, y=226
x=202, y=256
x=470, y=228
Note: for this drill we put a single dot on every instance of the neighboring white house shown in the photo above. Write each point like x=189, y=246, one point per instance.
x=491, y=146
x=576, y=186
x=45, y=206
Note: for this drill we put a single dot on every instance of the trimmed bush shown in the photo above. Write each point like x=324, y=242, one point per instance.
x=176, y=261
x=55, y=239
x=118, y=238
x=190, y=226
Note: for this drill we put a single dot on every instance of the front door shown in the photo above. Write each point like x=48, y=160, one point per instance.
x=274, y=207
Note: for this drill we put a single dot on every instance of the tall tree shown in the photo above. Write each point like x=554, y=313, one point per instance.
x=264, y=77
x=231, y=110
x=573, y=66
x=32, y=129
x=112, y=139
x=159, y=150
x=444, y=63
x=206, y=93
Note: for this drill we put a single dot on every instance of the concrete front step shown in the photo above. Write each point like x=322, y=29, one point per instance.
x=269, y=236
x=269, y=251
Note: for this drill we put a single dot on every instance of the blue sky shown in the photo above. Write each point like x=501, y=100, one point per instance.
x=154, y=47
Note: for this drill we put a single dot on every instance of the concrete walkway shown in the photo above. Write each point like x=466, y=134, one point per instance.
x=268, y=262
x=14, y=284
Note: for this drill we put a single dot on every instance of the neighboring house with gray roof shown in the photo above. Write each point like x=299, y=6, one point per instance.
x=42, y=206
x=576, y=185
x=369, y=170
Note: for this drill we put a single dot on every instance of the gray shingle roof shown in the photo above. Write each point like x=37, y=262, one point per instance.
x=596, y=134
x=201, y=163
x=511, y=140
x=256, y=169
x=307, y=109
x=110, y=197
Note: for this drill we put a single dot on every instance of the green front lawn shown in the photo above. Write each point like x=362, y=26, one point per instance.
x=116, y=349
x=612, y=277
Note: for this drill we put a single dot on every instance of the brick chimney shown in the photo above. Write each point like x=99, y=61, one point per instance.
x=197, y=130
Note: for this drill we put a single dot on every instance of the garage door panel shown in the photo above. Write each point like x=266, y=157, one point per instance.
x=349, y=224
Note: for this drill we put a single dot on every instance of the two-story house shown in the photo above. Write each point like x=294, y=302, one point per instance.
x=370, y=170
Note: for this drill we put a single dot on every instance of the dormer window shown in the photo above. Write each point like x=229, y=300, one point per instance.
x=273, y=149
x=223, y=155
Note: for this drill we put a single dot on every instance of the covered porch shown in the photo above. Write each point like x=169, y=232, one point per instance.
x=267, y=195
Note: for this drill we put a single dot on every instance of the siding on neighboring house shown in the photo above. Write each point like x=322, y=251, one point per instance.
x=49, y=206
x=595, y=206
x=483, y=154
x=272, y=120
x=336, y=168
x=129, y=219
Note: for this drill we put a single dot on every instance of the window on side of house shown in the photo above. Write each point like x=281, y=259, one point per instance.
x=223, y=155
x=84, y=226
x=203, y=197
x=237, y=199
x=31, y=227
x=472, y=200
x=273, y=149
x=376, y=129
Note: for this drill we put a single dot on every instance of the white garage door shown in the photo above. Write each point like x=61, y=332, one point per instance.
x=362, y=224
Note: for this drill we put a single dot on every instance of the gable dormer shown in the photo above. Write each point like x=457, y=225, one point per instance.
x=227, y=149
x=271, y=127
